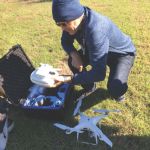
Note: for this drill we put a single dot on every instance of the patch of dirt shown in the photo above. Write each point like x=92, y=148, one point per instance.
x=65, y=70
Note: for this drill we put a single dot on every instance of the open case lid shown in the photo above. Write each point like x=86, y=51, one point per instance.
x=15, y=70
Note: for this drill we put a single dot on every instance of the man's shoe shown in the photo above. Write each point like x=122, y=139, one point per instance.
x=85, y=92
x=120, y=99
x=89, y=90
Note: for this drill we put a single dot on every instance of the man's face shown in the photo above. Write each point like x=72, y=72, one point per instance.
x=68, y=26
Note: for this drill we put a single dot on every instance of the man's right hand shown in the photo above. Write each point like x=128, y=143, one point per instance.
x=76, y=61
x=2, y=117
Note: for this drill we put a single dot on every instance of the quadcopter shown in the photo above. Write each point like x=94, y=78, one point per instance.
x=44, y=75
x=89, y=124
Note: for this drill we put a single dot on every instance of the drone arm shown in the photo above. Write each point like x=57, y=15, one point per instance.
x=78, y=136
x=104, y=138
x=96, y=119
x=61, y=126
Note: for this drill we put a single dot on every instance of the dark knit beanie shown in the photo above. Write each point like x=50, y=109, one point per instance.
x=66, y=10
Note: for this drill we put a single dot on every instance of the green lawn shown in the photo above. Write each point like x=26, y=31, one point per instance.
x=30, y=24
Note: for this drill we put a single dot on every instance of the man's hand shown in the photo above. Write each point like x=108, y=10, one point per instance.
x=56, y=84
x=2, y=117
x=76, y=61
x=61, y=79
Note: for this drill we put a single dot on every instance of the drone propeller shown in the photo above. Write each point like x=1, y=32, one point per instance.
x=61, y=126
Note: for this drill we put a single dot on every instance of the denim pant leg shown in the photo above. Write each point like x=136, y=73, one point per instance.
x=120, y=66
x=74, y=70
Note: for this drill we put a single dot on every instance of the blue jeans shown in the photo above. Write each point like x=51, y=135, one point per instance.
x=119, y=65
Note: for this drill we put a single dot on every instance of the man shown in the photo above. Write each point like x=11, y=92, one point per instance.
x=102, y=43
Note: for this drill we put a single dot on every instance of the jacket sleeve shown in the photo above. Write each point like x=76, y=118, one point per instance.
x=67, y=42
x=97, y=44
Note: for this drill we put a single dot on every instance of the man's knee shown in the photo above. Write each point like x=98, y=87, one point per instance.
x=116, y=88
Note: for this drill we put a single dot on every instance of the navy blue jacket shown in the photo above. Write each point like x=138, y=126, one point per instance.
x=98, y=36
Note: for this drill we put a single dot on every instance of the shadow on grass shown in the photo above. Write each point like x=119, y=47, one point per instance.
x=131, y=142
x=38, y=135
x=98, y=96
x=123, y=142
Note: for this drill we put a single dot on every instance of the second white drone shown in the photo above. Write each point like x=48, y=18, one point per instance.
x=89, y=124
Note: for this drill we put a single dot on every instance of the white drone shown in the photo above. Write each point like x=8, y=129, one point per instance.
x=89, y=124
x=44, y=75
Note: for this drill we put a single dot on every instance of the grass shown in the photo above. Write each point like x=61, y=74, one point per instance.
x=30, y=24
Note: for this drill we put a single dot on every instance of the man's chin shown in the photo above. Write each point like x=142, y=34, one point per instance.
x=71, y=33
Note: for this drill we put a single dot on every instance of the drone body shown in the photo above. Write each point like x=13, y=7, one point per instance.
x=87, y=124
x=44, y=75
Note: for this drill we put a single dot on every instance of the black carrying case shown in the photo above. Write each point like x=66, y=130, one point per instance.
x=15, y=70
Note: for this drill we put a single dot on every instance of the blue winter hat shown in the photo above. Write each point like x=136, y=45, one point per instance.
x=66, y=10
